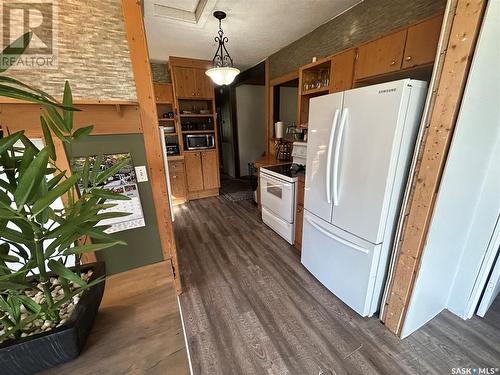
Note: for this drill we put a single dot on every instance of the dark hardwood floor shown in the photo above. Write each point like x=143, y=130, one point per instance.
x=251, y=308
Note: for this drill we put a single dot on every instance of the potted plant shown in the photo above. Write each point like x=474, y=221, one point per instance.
x=46, y=307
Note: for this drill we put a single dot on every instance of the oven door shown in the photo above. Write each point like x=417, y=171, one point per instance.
x=278, y=196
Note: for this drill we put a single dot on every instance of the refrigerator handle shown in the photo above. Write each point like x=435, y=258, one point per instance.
x=336, y=162
x=334, y=237
x=329, y=158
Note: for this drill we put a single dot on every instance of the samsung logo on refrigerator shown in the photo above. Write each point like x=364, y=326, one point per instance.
x=385, y=91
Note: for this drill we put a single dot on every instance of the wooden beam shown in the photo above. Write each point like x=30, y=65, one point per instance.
x=285, y=78
x=137, y=44
x=444, y=107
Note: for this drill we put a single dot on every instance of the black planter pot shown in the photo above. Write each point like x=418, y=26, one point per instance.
x=48, y=349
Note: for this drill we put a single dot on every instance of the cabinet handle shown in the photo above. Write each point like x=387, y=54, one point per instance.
x=174, y=176
x=393, y=62
x=408, y=58
x=192, y=94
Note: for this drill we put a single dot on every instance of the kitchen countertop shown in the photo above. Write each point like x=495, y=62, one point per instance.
x=267, y=161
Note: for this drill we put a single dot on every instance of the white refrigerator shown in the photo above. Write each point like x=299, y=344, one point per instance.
x=360, y=145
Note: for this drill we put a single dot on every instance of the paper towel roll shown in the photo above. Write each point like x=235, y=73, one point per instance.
x=278, y=129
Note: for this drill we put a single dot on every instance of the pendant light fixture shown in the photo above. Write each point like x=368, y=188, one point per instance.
x=223, y=72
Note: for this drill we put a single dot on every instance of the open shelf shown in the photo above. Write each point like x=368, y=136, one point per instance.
x=166, y=119
x=196, y=115
x=316, y=91
x=197, y=131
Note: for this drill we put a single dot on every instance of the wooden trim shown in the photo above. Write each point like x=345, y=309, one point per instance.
x=203, y=194
x=285, y=78
x=320, y=61
x=445, y=105
x=269, y=105
x=134, y=26
x=106, y=119
x=75, y=102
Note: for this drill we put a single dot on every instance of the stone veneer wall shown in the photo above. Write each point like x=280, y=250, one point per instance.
x=93, y=53
x=365, y=21
x=160, y=72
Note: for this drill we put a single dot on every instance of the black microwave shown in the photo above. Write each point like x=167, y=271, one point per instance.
x=199, y=141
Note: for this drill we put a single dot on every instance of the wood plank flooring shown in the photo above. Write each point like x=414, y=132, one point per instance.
x=138, y=328
x=251, y=308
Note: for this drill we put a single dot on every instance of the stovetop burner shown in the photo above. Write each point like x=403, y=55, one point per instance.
x=289, y=170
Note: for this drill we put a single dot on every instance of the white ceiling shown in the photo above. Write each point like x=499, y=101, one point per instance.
x=255, y=28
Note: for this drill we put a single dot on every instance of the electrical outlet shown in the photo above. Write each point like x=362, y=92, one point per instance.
x=141, y=173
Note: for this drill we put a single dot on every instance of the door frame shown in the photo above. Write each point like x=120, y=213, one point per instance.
x=484, y=272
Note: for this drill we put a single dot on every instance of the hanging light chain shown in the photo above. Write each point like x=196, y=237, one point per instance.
x=221, y=57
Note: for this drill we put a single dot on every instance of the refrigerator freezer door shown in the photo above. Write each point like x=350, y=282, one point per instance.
x=368, y=150
x=343, y=263
x=324, y=113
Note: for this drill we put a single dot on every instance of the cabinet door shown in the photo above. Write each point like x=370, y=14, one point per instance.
x=421, y=42
x=177, y=181
x=381, y=56
x=194, y=174
x=342, y=71
x=204, y=87
x=210, y=169
x=163, y=92
x=185, y=82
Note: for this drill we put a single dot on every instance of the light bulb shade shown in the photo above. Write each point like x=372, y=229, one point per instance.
x=222, y=75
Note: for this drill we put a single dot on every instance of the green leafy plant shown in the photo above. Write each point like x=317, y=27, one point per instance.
x=35, y=237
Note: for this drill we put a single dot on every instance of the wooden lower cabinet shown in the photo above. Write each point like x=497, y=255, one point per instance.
x=194, y=172
x=202, y=174
x=299, y=220
x=299, y=214
x=177, y=181
x=210, y=167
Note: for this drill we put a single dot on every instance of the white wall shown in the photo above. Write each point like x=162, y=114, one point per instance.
x=468, y=201
x=288, y=105
x=251, y=119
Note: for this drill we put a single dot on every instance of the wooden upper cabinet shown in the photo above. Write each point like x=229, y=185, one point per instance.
x=204, y=87
x=381, y=56
x=342, y=71
x=185, y=82
x=194, y=172
x=192, y=83
x=422, y=41
x=163, y=92
x=210, y=169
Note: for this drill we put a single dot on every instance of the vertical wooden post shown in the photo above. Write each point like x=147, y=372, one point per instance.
x=269, y=106
x=432, y=157
x=134, y=26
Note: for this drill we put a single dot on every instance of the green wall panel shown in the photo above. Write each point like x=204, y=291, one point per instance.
x=143, y=244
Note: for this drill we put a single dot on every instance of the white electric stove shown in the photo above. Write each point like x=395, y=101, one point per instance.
x=278, y=193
